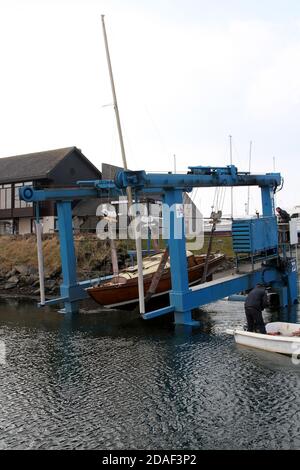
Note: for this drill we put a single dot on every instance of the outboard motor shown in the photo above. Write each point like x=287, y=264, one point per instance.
x=272, y=298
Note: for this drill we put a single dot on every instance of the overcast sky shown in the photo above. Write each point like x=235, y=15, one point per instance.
x=188, y=73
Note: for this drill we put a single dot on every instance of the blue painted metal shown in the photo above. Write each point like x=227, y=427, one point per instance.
x=292, y=280
x=218, y=289
x=286, y=284
x=178, y=261
x=236, y=298
x=254, y=235
x=57, y=300
x=158, y=181
x=158, y=313
x=82, y=294
x=289, y=291
x=215, y=171
x=37, y=212
x=69, y=287
x=28, y=193
x=99, y=184
x=183, y=319
x=267, y=200
x=96, y=280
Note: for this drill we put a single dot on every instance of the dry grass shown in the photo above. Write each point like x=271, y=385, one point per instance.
x=92, y=254
x=17, y=250
x=51, y=253
x=220, y=243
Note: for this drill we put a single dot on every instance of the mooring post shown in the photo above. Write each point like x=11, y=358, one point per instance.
x=173, y=226
x=69, y=287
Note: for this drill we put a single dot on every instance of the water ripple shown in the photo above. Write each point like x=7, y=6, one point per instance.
x=108, y=381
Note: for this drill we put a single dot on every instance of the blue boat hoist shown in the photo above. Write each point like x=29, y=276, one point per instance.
x=256, y=237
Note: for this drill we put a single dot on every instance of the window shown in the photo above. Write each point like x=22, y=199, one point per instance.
x=6, y=227
x=2, y=198
x=18, y=203
x=5, y=196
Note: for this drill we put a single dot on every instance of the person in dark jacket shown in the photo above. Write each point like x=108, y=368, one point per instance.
x=255, y=303
x=284, y=216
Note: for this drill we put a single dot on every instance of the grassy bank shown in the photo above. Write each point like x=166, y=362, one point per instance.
x=18, y=261
x=92, y=254
x=220, y=243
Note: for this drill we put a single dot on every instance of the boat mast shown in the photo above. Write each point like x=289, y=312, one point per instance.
x=231, y=189
x=248, y=199
x=115, y=102
x=138, y=241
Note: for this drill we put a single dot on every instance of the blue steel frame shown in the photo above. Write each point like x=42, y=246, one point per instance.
x=182, y=298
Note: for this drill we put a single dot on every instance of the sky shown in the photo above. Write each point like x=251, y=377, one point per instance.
x=188, y=74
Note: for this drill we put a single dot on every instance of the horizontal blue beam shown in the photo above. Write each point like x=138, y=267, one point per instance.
x=149, y=182
x=237, y=298
x=91, y=282
x=159, y=312
x=29, y=194
x=57, y=300
x=221, y=288
x=141, y=179
x=84, y=295
x=215, y=290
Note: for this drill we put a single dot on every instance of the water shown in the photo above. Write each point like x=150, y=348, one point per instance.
x=111, y=381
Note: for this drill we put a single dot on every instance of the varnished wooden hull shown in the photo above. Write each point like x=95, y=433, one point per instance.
x=117, y=295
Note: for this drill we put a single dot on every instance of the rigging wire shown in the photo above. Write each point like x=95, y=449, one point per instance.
x=219, y=198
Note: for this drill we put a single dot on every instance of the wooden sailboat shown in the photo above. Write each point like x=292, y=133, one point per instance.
x=122, y=292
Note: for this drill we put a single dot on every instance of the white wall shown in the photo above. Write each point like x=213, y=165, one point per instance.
x=24, y=226
x=48, y=224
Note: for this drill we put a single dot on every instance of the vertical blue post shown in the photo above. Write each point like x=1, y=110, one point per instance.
x=37, y=211
x=69, y=287
x=267, y=199
x=292, y=281
x=149, y=231
x=173, y=221
x=288, y=286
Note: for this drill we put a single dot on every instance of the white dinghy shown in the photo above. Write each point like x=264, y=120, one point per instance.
x=281, y=338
